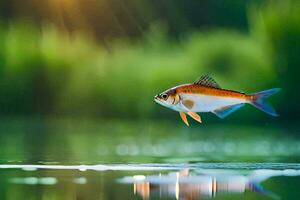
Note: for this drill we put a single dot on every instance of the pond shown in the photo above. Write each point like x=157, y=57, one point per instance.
x=74, y=158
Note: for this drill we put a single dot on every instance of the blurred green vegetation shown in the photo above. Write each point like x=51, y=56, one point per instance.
x=47, y=70
x=64, y=63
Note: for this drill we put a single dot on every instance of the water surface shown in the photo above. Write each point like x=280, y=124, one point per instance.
x=92, y=159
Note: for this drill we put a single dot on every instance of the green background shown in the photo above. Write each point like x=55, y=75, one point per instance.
x=78, y=78
x=109, y=58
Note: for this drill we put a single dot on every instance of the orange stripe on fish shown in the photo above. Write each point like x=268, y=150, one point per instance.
x=202, y=89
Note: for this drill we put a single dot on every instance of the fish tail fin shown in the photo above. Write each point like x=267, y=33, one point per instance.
x=259, y=101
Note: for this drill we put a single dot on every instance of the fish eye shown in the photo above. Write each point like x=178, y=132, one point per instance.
x=164, y=96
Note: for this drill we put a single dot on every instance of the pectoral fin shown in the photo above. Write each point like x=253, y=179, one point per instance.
x=189, y=104
x=183, y=117
x=195, y=116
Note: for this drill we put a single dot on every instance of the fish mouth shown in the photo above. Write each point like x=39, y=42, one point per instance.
x=157, y=99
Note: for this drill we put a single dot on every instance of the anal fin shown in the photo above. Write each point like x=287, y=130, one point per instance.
x=183, y=117
x=227, y=110
x=195, y=116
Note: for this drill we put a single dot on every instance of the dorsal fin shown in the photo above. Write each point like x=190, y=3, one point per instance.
x=206, y=80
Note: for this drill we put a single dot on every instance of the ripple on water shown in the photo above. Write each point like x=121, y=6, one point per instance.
x=158, y=166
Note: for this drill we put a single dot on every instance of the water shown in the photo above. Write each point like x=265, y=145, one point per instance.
x=93, y=159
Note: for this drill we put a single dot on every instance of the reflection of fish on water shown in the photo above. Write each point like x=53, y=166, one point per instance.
x=207, y=184
x=205, y=95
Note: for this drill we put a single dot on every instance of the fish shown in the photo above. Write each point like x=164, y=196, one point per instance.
x=206, y=95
